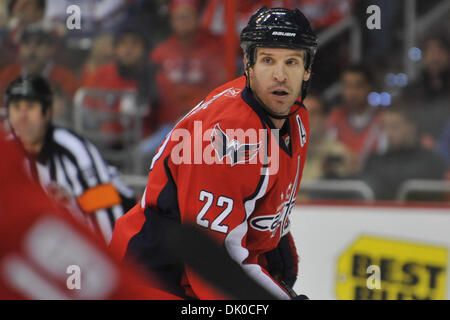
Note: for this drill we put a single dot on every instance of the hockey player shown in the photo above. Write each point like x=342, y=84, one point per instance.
x=67, y=166
x=232, y=166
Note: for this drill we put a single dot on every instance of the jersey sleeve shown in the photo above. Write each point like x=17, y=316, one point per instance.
x=218, y=194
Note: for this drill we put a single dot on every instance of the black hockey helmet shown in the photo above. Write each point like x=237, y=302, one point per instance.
x=279, y=28
x=30, y=87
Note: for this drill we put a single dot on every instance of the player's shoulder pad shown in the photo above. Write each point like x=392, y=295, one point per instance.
x=225, y=105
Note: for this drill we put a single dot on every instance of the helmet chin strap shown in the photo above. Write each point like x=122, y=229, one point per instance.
x=278, y=117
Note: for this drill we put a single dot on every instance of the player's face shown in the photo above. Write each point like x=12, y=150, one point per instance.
x=29, y=123
x=276, y=78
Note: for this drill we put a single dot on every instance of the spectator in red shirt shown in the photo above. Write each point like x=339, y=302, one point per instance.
x=129, y=70
x=356, y=123
x=37, y=50
x=101, y=53
x=190, y=64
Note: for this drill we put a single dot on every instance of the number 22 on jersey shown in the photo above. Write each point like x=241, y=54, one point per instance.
x=222, y=202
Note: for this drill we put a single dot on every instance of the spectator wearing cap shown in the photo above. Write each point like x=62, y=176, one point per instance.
x=189, y=65
x=37, y=50
x=355, y=123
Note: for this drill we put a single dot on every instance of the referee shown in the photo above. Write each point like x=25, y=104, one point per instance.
x=68, y=167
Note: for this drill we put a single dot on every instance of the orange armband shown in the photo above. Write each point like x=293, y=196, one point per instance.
x=99, y=197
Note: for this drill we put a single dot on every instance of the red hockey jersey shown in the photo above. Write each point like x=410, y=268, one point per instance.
x=226, y=169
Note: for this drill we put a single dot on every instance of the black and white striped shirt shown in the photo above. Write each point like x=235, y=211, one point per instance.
x=75, y=166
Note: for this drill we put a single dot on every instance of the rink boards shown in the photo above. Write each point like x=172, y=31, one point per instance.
x=350, y=251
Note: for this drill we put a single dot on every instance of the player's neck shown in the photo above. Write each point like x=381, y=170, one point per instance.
x=278, y=123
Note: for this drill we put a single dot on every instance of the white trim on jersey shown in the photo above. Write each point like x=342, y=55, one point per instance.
x=143, y=198
x=233, y=244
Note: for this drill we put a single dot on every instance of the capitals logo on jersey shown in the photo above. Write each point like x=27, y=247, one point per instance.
x=238, y=153
x=281, y=217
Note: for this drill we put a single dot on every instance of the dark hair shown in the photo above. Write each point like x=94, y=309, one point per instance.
x=363, y=70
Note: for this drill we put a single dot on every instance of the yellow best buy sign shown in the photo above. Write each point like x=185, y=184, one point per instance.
x=406, y=270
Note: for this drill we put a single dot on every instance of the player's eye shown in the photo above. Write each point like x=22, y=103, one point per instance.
x=267, y=60
x=291, y=62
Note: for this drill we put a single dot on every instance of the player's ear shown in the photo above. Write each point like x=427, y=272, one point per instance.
x=245, y=65
x=307, y=75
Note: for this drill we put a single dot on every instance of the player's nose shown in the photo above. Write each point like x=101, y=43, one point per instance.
x=279, y=74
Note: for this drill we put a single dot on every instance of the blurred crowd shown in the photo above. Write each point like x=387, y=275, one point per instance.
x=383, y=128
